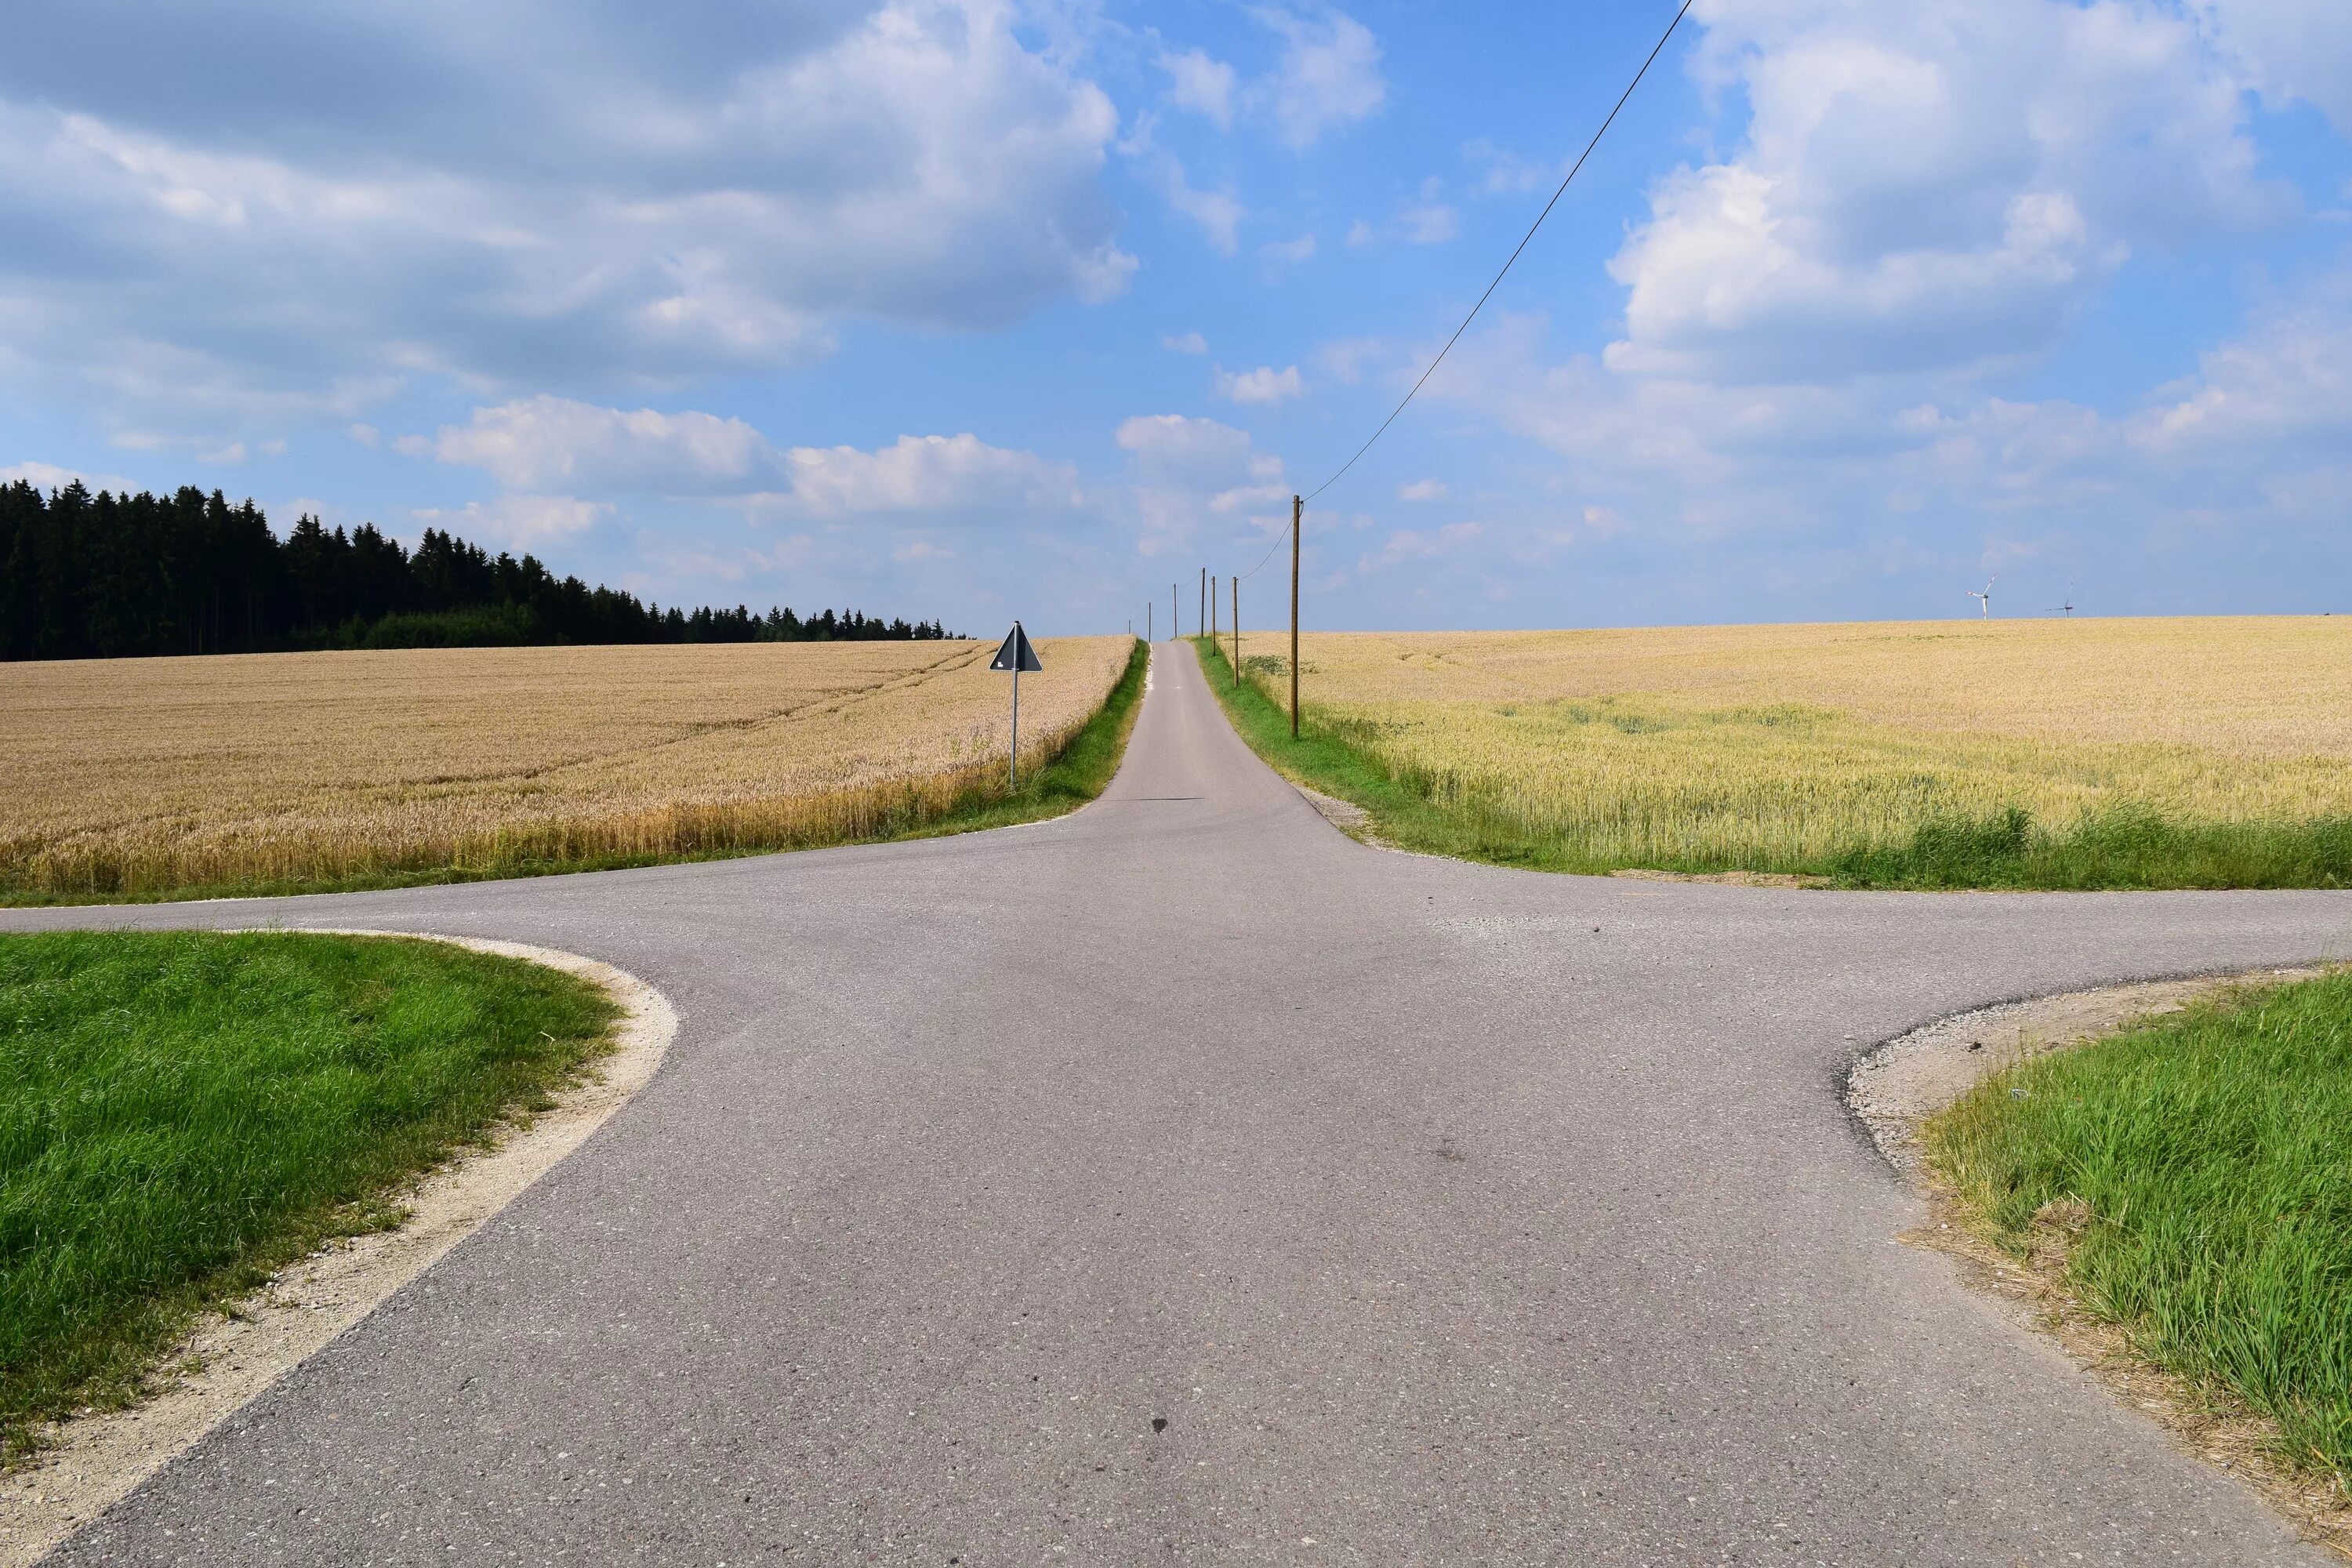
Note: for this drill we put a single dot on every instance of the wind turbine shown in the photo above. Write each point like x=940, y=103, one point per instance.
x=2066, y=609
x=1985, y=597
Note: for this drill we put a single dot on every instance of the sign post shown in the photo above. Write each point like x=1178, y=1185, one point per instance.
x=1016, y=656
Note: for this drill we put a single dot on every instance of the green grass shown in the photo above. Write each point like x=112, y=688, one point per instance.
x=182, y=1112
x=1073, y=777
x=2214, y=1153
x=2121, y=847
x=2125, y=847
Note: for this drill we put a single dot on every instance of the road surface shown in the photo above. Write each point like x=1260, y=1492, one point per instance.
x=1179, y=1182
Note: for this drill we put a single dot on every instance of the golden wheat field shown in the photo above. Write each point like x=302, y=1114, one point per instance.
x=1768, y=746
x=128, y=775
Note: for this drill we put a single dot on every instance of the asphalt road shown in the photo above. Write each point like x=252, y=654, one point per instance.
x=1443, y=1215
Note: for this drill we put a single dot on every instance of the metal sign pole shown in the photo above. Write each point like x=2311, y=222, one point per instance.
x=1016, y=656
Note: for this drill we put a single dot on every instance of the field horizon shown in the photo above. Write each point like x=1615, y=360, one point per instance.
x=216, y=774
x=2050, y=751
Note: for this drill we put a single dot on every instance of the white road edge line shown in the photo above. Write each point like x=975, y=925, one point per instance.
x=99, y=1460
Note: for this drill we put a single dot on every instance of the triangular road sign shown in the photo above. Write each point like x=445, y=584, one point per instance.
x=1016, y=653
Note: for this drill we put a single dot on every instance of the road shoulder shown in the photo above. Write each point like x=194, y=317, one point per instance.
x=1896, y=1086
x=94, y=1461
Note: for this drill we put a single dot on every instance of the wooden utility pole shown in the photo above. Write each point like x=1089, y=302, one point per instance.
x=1294, y=505
x=1212, y=608
x=1237, y=630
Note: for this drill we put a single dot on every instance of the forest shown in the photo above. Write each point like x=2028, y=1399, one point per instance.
x=86, y=575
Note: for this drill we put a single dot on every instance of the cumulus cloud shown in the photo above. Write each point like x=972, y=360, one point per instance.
x=2288, y=49
x=1421, y=489
x=1935, y=185
x=633, y=205
x=1263, y=384
x=1290, y=252
x=939, y=474
x=50, y=476
x=544, y=442
x=519, y=521
x=1329, y=74
x=1432, y=223
x=1201, y=84
x=1185, y=344
x=1189, y=473
x=1219, y=213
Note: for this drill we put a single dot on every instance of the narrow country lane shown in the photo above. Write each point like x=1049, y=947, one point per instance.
x=1182, y=1182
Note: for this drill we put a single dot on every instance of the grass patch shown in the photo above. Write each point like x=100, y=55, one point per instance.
x=183, y=1112
x=2205, y=1164
x=1070, y=777
x=2123, y=847
x=1451, y=813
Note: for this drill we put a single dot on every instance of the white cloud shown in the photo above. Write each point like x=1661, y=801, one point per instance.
x=547, y=443
x=539, y=443
x=1431, y=224
x=366, y=434
x=1201, y=84
x=1329, y=74
x=1218, y=212
x=1506, y=171
x=1185, y=344
x=1421, y=489
x=1405, y=546
x=1937, y=185
x=1360, y=233
x=232, y=453
x=1290, y=252
x=2288, y=49
x=608, y=208
x=945, y=475
x=1191, y=474
x=1263, y=384
x=520, y=521
x=50, y=476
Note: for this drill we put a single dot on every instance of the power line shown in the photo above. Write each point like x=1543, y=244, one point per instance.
x=1464, y=327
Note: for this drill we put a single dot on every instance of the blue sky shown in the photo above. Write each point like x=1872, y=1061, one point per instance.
x=981, y=309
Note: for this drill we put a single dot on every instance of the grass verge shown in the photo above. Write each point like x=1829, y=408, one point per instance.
x=181, y=1113
x=2197, y=1174
x=2122, y=847
x=924, y=809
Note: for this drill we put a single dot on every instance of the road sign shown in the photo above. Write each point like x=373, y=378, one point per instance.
x=1016, y=656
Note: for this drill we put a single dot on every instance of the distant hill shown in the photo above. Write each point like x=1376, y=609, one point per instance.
x=109, y=577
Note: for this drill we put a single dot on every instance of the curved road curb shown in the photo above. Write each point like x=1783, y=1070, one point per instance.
x=100, y=1459
x=1893, y=1090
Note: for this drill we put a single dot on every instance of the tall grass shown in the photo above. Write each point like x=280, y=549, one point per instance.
x=1470, y=746
x=509, y=762
x=2213, y=1154
x=182, y=1112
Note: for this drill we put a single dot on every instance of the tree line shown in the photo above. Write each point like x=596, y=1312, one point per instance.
x=109, y=577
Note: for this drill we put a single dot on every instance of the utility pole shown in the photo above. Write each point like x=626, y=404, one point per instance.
x=1294, y=507
x=1213, y=608
x=1237, y=631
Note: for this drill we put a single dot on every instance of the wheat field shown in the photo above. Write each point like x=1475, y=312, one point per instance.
x=1770, y=747
x=143, y=775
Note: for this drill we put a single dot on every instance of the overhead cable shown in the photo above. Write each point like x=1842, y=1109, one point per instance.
x=1555, y=194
